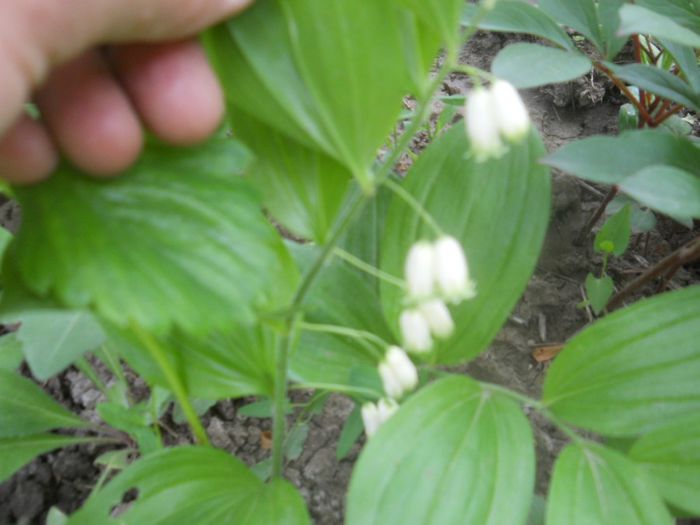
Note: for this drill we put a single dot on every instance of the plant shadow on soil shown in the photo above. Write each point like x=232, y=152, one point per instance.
x=548, y=313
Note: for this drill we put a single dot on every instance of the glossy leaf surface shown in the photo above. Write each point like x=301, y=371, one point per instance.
x=452, y=454
x=202, y=485
x=632, y=371
x=592, y=484
x=177, y=239
x=498, y=210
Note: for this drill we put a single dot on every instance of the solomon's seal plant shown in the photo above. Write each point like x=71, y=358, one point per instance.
x=174, y=270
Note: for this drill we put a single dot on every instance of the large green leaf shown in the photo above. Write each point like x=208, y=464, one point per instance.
x=442, y=16
x=287, y=62
x=234, y=363
x=10, y=352
x=638, y=19
x=518, y=16
x=497, y=209
x=609, y=16
x=580, y=15
x=684, y=12
x=454, y=453
x=659, y=82
x=610, y=159
x=177, y=239
x=15, y=452
x=685, y=58
x=194, y=485
x=25, y=409
x=666, y=189
x=595, y=485
x=671, y=454
x=529, y=65
x=302, y=188
x=632, y=371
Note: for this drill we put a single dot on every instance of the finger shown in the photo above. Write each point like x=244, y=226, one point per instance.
x=26, y=152
x=173, y=88
x=90, y=117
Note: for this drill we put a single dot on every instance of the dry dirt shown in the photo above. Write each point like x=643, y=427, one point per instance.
x=547, y=314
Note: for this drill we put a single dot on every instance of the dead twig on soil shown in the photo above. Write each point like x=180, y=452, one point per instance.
x=596, y=216
x=687, y=253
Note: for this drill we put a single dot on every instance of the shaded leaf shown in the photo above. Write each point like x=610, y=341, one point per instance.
x=614, y=236
x=15, y=452
x=203, y=485
x=684, y=12
x=517, y=16
x=529, y=65
x=451, y=439
x=671, y=455
x=632, y=371
x=638, y=19
x=498, y=210
x=25, y=409
x=10, y=352
x=177, y=239
x=685, y=57
x=580, y=15
x=666, y=189
x=352, y=430
x=592, y=484
x=599, y=291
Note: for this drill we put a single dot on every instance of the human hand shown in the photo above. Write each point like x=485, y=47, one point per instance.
x=94, y=100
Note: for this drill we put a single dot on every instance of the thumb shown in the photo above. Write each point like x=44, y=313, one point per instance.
x=37, y=35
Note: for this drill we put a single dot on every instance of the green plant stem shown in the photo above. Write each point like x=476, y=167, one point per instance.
x=368, y=268
x=178, y=389
x=475, y=72
x=345, y=389
x=279, y=400
x=348, y=332
x=413, y=203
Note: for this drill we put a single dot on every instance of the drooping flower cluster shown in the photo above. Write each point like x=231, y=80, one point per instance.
x=495, y=115
x=435, y=273
x=399, y=375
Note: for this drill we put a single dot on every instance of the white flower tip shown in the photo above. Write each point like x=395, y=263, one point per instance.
x=374, y=415
x=415, y=331
x=439, y=318
x=419, y=270
x=511, y=115
x=452, y=271
x=481, y=126
x=402, y=368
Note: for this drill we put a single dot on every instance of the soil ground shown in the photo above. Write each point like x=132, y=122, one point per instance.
x=548, y=313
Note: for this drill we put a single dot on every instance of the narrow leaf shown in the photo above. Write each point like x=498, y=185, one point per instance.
x=452, y=454
x=25, y=409
x=592, y=484
x=632, y=371
x=529, y=65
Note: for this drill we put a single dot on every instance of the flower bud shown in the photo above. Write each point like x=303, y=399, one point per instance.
x=373, y=415
x=415, y=331
x=438, y=317
x=451, y=271
x=511, y=116
x=398, y=373
x=419, y=270
x=481, y=126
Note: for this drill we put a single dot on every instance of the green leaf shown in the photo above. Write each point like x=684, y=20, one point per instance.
x=277, y=65
x=684, y=12
x=671, y=455
x=684, y=57
x=351, y=432
x=294, y=444
x=222, y=365
x=302, y=188
x=25, y=409
x=15, y=452
x=599, y=291
x=202, y=485
x=537, y=511
x=609, y=17
x=638, y=19
x=442, y=16
x=452, y=454
x=56, y=517
x=177, y=239
x=498, y=210
x=10, y=352
x=580, y=15
x=633, y=370
x=659, y=82
x=592, y=484
x=5, y=238
x=517, y=16
x=610, y=159
x=529, y=65
x=665, y=189
x=614, y=236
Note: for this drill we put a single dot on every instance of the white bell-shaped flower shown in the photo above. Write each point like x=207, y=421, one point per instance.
x=374, y=415
x=510, y=113
x=419, y=271
x=481, y=125
x=439, y=319
x=451, y=271
x=415, y=331
x=398, y=373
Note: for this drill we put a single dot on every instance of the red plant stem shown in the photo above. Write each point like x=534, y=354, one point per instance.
x=661, y=118
x=643, y=113
x=687, y=253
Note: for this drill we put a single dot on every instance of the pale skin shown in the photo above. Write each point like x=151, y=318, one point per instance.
x=102, y=72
